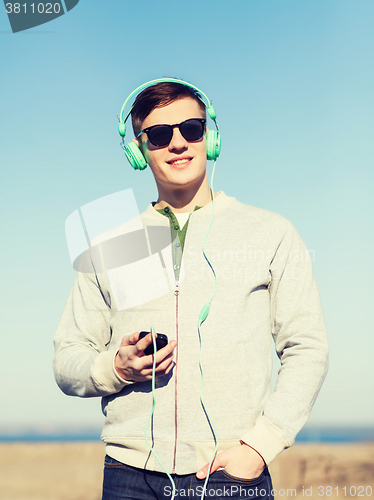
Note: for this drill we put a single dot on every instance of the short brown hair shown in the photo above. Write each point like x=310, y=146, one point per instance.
x=158, y=96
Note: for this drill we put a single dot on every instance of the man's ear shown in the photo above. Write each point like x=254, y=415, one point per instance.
x=142, y=146
x=139, y=144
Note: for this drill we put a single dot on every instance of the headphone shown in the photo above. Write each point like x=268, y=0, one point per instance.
x=133, y=152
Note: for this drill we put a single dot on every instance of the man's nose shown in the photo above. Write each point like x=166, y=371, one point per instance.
x=177, y=140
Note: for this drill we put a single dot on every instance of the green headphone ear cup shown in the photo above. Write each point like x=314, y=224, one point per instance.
x=135, y=156
x=213, y=145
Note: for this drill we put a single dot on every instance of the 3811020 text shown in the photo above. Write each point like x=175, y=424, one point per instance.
x=336, y=491
x=34, y=8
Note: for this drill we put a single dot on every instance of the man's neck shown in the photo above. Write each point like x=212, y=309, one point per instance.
x=184, y=201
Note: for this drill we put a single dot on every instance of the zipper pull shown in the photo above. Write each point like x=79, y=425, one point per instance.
x=176, y=291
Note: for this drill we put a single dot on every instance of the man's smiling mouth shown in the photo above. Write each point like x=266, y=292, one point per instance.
x=179, y=161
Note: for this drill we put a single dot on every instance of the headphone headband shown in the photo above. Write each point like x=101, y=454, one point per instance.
x=208, y=104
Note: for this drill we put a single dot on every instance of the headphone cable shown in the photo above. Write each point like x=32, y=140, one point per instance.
x=153, y=410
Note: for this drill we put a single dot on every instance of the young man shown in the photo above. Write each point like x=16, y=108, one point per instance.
x=265, y=288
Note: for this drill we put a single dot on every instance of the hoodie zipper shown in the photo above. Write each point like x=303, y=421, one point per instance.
x=176, y=293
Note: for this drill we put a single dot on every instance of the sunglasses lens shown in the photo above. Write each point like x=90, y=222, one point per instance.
x=192, y=130
x=160, y=135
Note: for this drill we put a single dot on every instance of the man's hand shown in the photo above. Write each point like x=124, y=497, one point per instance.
x=239, y=461
x=132, y=364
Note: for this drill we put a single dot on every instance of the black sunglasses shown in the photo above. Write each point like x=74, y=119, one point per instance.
x=161, y=135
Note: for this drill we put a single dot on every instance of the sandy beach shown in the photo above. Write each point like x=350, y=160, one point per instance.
x=73, y=471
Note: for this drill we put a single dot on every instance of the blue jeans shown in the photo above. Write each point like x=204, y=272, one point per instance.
x=123, y=482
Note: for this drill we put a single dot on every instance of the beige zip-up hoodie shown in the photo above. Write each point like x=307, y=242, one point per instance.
x=266, y=290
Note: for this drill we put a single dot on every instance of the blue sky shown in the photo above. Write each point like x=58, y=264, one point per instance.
x=293, y=86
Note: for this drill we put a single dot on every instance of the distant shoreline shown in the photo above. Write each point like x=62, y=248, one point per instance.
x=308, y=435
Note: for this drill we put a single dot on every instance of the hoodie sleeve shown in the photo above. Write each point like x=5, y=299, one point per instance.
x=83, y=365
x=300, y=337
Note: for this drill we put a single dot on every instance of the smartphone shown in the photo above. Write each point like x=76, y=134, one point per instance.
x=161, y=341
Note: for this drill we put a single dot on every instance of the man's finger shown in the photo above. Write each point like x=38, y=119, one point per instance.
x=165, y=365
x=130, y=339
x=143, y=343
x=202, y=473
x=161, y=369
x=163, y=354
